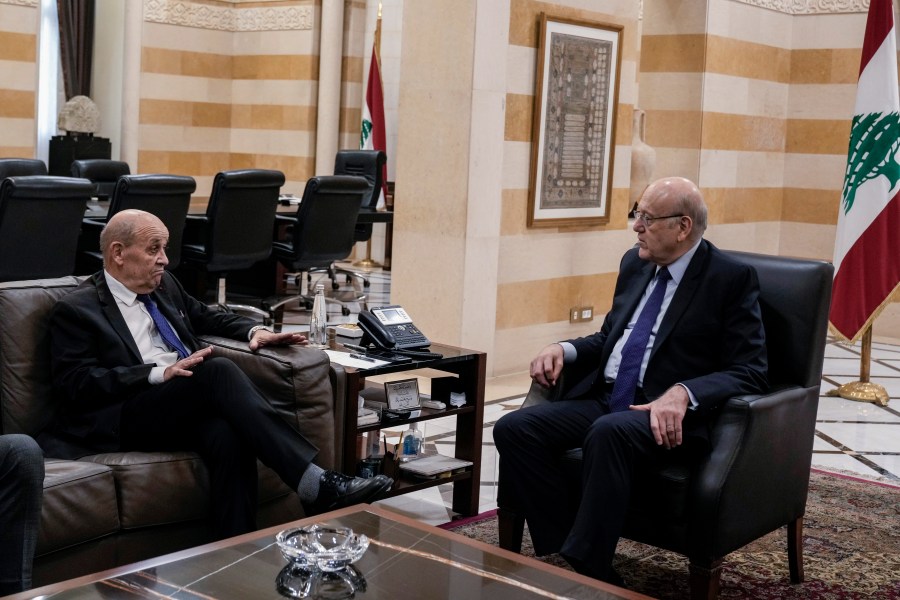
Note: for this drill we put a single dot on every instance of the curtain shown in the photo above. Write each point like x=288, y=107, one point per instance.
x=76, y=45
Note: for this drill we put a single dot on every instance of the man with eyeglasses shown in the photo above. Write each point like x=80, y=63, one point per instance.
x=683, y=335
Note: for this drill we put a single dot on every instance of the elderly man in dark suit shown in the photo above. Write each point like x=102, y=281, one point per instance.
x=132, y=375
x=684, y=334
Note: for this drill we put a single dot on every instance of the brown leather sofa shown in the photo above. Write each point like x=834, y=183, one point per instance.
x=111, y=509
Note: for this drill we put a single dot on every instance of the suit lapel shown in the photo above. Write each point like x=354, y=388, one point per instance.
x=114, y=315
x=683, y=295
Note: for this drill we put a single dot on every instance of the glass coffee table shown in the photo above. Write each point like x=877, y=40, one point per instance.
x=405, y=559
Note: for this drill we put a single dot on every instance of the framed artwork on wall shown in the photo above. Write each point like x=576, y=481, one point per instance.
x=573, y=132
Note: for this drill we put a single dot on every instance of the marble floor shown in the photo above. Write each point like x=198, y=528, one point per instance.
x=851, y=437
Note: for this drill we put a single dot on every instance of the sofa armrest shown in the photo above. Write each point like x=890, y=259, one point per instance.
x=759, y=465
x=296, y=382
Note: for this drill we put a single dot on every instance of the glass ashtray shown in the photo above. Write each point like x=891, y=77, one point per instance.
x=322, y=548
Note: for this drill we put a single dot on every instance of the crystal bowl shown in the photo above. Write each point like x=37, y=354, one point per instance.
x=320, y=547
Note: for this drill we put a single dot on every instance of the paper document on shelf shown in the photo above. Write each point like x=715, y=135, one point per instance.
x=342, y=358
x=434, y=464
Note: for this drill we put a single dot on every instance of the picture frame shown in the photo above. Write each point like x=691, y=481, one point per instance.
x=402, y=394
x=574, y=123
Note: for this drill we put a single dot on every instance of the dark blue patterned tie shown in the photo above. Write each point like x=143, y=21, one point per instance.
x=622, y=395
x=165, y=330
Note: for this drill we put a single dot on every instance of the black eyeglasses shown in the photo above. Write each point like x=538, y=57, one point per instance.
x=640, y=215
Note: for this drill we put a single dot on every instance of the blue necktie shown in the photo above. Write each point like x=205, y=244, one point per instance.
x=622, y=395
x=165, y=330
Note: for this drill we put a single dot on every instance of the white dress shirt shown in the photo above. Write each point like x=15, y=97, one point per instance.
x=153, y=349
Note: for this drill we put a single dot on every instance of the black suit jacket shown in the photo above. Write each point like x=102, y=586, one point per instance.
x=96, y=365
x=711, y=338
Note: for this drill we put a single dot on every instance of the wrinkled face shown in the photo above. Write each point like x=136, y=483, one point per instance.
x=140, y=266
x=661, y=241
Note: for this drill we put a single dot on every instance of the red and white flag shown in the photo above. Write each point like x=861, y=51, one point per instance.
x=867, y=245
x=372, y=131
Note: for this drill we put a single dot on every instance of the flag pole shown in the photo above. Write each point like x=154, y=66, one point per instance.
x=367, y=263
x=863, y=390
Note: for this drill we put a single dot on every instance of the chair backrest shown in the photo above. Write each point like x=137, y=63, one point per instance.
x=326, y=220
x=103, y=172
x=40, y=221
x=241, y=218
x=166, y=196
x=16, y=167
x=363, y=163
x=795, y=297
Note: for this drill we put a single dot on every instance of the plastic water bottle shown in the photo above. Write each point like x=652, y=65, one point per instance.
x=411, y=443
x=318, y=336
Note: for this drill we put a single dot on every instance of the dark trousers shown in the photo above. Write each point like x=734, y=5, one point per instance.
x=21, y=493
x=531, y=442
x=218, y=413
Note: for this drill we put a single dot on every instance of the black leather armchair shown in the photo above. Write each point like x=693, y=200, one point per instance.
x=40, y=221
x=166, y=196
x=756, y=477
x=236, y=231
x=320, y=233
x=370, y=165
x=16, y=167
x=103, y=172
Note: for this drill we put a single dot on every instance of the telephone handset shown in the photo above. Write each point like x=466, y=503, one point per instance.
x=390, y=328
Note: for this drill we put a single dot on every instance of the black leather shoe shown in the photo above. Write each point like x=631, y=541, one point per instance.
x=337, y=490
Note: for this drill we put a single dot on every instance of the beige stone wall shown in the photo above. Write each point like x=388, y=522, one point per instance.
x=18, y=79
x=543, y=272
x=217, y=95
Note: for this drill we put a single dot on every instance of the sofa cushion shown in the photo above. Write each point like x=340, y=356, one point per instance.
x=156, y=488
x=159, y=488
x=26, y=404
x=79, y=504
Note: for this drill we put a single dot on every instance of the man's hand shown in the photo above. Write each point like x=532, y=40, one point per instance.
x=264, y=337
x=546, y=366
x=667, y=415
x=183, y=367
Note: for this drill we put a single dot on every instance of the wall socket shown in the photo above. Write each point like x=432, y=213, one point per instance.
x=581, y=314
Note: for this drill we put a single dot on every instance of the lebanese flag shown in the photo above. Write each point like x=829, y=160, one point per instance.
x=372, y=132
x=867, y=245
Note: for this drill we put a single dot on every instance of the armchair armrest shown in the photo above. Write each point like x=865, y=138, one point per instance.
x=296, y=382
x=761, y=450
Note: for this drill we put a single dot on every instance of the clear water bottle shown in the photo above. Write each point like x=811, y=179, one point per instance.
x=318, y=335
x=411, y=443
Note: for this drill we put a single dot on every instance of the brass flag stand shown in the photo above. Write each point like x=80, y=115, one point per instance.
x=863, y=390
x=367, y=264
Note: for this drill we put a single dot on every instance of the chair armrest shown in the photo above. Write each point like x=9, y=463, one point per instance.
x=338, y=377
x=295, y=380
x=759, y=465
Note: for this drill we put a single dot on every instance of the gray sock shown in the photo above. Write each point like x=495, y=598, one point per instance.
x=309, y=483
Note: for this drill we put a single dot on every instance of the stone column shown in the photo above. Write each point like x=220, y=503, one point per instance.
x=331, y=39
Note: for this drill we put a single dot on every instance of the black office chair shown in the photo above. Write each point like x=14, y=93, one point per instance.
x=40, y=220
x=370, y=165
x=320, y=233
x=756, y=477
x=17, y=167
x=236, y=232
x=166, y=196
x=103, y=172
